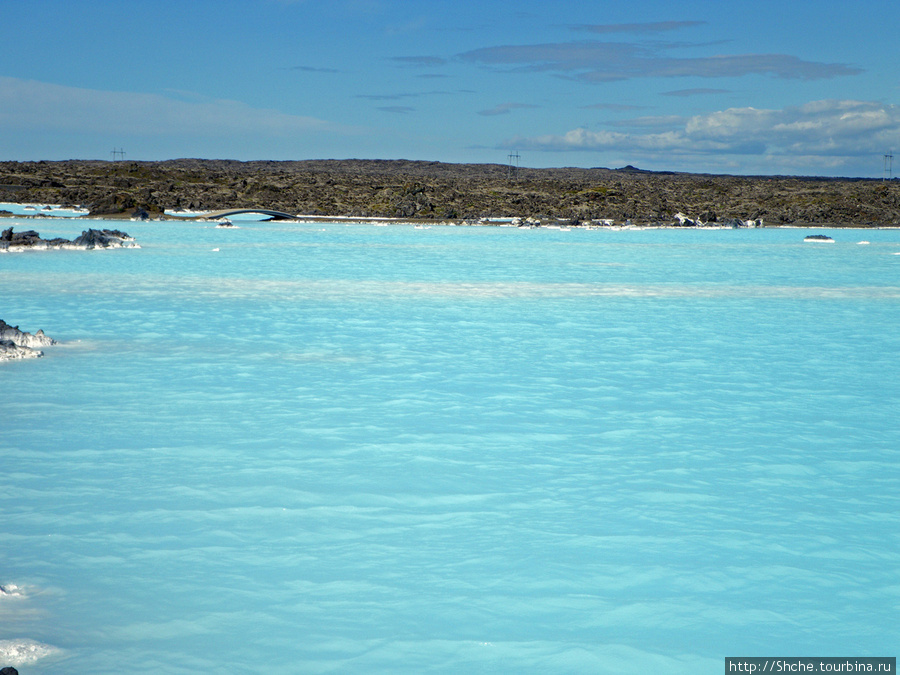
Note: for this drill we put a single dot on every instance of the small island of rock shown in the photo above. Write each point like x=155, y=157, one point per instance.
x=17, y=344
x=88, y=239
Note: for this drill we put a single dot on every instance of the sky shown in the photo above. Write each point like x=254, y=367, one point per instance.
x=793, y=87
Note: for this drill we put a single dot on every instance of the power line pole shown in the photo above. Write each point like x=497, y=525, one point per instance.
x=120, y=153
x=513, y=171
x=888, y=166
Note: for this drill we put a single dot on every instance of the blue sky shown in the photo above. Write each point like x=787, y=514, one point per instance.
x=789, y=87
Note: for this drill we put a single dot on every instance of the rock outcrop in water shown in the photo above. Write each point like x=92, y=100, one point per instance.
x=17, y=344
x=88, y=239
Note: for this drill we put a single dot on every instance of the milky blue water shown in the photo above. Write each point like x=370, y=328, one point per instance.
x=336, y=448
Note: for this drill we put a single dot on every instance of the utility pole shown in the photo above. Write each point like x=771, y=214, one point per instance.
x=120, y=153
x=888, y=166
x=513, y=170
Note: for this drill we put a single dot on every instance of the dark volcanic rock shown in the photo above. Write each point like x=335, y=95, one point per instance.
x=103, y=239
x=401, y=188
x=17, y=344
x=89, y=239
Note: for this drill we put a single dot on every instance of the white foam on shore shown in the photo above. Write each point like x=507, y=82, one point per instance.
x=21, y=651
x=25, y=652
x=34, y=209
x=11, y=591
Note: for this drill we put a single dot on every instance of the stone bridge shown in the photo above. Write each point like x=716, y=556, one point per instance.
x=224, y=213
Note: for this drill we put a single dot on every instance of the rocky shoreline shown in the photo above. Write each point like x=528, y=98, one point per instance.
x=17, y=344
x=460, y=192
x=89, y=239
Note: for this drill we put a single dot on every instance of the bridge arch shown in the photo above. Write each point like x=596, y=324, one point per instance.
x=224, y=213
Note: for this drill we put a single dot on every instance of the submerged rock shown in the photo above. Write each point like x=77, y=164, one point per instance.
x=17, y=344
x=89, y=239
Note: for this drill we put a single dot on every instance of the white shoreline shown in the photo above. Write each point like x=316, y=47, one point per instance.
x=517, y=222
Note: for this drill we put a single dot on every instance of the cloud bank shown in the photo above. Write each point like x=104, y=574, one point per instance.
x=834, y=131
x=595, y=62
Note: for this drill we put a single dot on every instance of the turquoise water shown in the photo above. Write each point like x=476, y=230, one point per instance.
x=347, y=448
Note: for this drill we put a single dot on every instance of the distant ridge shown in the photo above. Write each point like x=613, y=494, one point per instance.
x=633, y=169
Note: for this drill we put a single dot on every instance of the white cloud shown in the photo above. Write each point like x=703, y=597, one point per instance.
x=821, y=133
x=821, y=127
x=28, y=105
